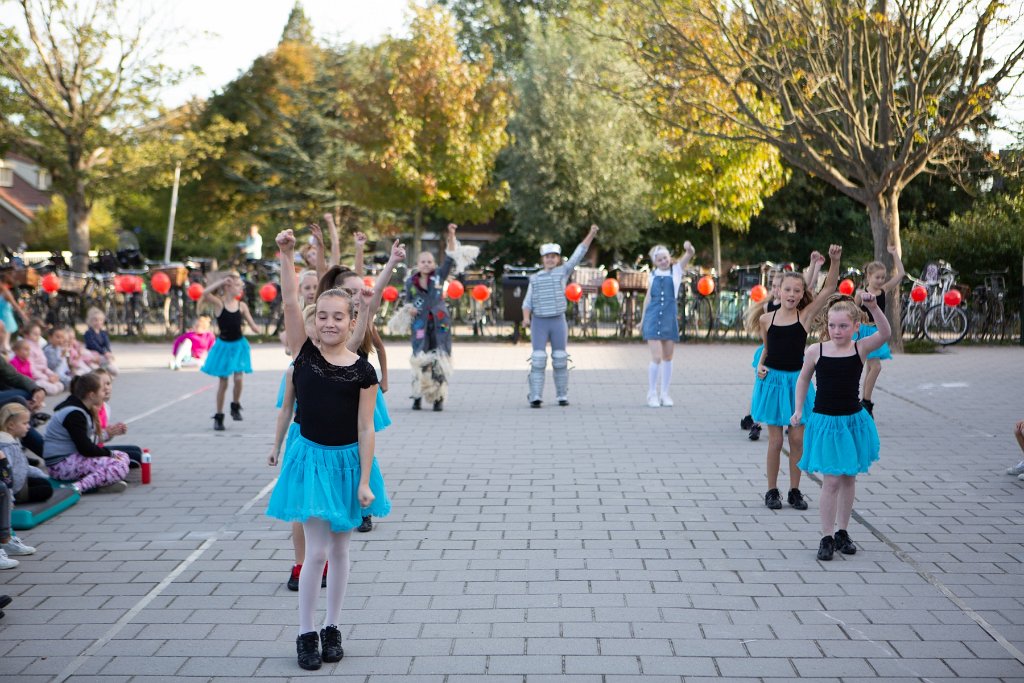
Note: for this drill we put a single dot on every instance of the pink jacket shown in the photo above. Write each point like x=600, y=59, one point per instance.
x=24, y=366
x=37, y=358
x=201, y=342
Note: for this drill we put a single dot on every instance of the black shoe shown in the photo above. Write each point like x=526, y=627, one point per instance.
x=536, y=404
x=563, y=402
x=438, y=406
x=755, y=432
x=236, y=412
x=218, y=422
x=39, y=418
x=773, y=500
x=416, y=404
x=826, y=549
x=367, y=524
x=747, y=422
x=330, y=641
x=868, y=406
x=796, y=499
x=844, y=544
x=308, y=647
x=323, y=577
x=293, y=578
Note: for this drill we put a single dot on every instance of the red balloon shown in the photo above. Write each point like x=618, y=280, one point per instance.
x=918, y=294
x=160, y=282
x=610, y=287
x=137, y=283
x=268, y=292
x=846, y=287
x=953, y=297
x=706, y=285
x=369, y=281
x=758, y=293
x=390, y=294
x=51, y=283
x=481, y=293
x=573, y=292
x=455, y=289
x=195, y=291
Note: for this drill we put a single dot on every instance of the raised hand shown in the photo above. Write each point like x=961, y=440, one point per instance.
x=835, y=251
x=868, y=299
x=397, y=252
x=285, y=241
x=892, y=249
x=318, y=234
x=365, y=297
x=593, y=231
x=688, y=247
x=360, y=239
x=329, y=220
x=452, y=228
x=816, y=257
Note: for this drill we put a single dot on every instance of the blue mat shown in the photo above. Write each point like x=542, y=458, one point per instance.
x=33, y=514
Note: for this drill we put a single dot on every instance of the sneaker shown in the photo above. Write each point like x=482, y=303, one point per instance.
x=563, y=402
x=116, y=487
x=236, y=412
x=755, y=432
x=844, y=544
x=416, y=403
x=652, y=401
x=16, y=547
x=438, y=406
x=367, y=524
x=826, y=549
x=6, y=562
x=536, y=404
x=667, y=401
x=868, y=406
x=307, y=645
x=796, y=499
x=1017, y=469
x=293, y=580
x=747, y=422
x=330, y=641
x=773, y=500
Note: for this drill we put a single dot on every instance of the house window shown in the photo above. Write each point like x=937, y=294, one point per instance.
x=6, y=177
x=43, y=179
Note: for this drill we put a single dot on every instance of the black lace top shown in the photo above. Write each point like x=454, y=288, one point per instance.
x=328, y=396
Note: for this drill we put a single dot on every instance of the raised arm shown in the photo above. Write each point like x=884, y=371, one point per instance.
x=581, y=250
x=210, y=297
x=368, y=306
x=360, y=250
x=835, y=253
x=295, y=330
x=335, y=241
x=321, y=249
x=811, y=274
x=875, y=341
x=894, y=282
x=688, y=252
x=450, y=243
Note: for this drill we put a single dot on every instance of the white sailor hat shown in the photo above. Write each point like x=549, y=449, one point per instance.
x=550, y=248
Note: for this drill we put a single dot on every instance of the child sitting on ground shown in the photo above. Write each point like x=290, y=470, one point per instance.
x=81, y=359
x=98, y=341
x=56, y=353
x=41, y=373
x=30, y=484
x=193, y=345
x=9, y=543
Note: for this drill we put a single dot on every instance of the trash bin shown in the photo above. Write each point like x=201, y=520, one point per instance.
x=513, y=288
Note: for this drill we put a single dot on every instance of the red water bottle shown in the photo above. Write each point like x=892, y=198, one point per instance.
x=146, y=463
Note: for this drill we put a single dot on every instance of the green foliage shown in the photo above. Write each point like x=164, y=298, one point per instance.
x=48, y=230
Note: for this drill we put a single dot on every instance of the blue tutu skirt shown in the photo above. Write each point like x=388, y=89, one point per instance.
x=280, y=389
x=757, y=356
x=227, y=358
x=381, y=417
x=323, y=482
x=882, y=352
x=775, y=397
x=840, y=444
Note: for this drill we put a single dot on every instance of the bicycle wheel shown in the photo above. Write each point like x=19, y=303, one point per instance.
x=912, y=321
x=698, y=317
x=945, y=325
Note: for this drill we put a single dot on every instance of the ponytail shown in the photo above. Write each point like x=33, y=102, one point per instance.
x=82, y=386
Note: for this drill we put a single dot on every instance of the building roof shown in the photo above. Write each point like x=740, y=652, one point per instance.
x=23, y=199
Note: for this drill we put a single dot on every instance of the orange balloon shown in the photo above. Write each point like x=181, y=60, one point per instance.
x=51, y=283
x=573, y=292
x=610, y=287
x=455, y=289
x=846, y=287
x=706, y=285
x=481, y=293
x=758, y=293
x=160, y=282
x=390, y=294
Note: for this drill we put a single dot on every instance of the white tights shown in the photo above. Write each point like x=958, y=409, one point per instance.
x=836, y=504
x=322, y=546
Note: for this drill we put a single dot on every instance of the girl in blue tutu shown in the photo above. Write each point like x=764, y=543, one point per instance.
x=230, y=355
x=329, y=477
x=784, y=335
x=876, y=284
x=841, y=441
x=660, y=321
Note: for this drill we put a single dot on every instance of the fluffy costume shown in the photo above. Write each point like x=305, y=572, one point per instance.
x=401, y=322
x=463, y=255
x=431, y=372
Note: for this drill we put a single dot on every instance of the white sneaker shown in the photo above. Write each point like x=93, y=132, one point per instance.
x=652, y=401
x=6, y=562
x=116, y=487
x=16, y=547
x=666, y=401
x=1017, y=469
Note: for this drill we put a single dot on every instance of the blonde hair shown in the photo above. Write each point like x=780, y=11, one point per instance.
x=10, y=411
x=873, y=267
x=658, y=248
x=91, y=314
x=841, y=303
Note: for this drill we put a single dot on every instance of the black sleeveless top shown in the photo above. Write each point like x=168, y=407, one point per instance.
x=838, y=390
x=230, y=324
x=328, y=396
x=785, y=345
x=881, y=304
x=772, y=307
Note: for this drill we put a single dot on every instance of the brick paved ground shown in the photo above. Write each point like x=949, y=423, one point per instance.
x=602, y=542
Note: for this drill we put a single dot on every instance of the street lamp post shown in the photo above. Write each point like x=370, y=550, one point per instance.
x=174, y=209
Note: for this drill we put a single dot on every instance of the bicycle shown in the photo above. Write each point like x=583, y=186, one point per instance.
x=939, y=322
x=989, y=319
x=582, y=315
x=632, y=281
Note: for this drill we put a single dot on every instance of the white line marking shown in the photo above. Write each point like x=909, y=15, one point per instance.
x=183, y=397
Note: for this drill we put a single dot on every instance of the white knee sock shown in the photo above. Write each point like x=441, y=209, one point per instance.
x=337, y=576
x=666, y=376
x=652, y=378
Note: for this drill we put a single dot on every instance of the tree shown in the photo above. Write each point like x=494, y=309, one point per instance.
x=428, y=124
x=76, y=92
x=579, y=155
x=866, y=99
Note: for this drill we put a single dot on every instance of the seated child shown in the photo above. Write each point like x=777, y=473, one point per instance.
x=10, y=544
x=33, y=332
x=81, y=359
x=30, y=484
x=98, y=341
x=194, y=344
x=56, y=353
x=22, y=362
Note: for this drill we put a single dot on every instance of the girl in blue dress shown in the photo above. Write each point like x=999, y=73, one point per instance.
x=880, y=286
x=841, y=441
x=660, y=324
x=230, y=355
x=329, y=477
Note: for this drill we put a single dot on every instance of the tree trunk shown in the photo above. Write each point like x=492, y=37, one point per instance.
x=885, y=230
x=716, y=239
x=79, y=212
x=417, y=232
